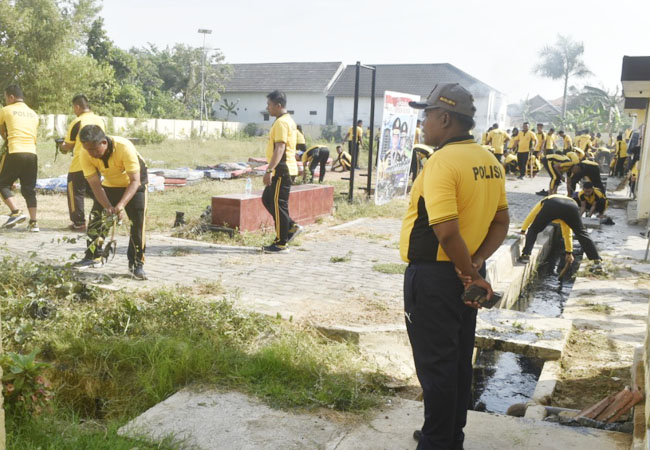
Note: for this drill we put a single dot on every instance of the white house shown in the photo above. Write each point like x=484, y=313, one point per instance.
x=322, y=93
x=306, y=86
x=416, y=79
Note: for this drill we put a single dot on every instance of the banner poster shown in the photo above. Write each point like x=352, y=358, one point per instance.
x=395, y=147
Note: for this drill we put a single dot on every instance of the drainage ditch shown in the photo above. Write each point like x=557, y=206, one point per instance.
x=502, y=379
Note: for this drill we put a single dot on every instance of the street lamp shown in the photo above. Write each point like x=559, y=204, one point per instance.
x=203, y=31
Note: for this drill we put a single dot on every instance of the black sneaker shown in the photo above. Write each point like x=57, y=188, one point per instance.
x=524, y=259
x=543, y=192
x=417, y=434
x=14, y=219
x=138, y=272
x=88, y=263
x=294, y=232
x=597, y=268
x=274, y=248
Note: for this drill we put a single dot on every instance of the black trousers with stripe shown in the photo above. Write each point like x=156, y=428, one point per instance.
x=77, y=191
x=23, y=167
x=441, y=330
x=276, y=201
x=555, y=176
x=522, y=160
x=566, y=210
x=320, y=160
x=135, y=210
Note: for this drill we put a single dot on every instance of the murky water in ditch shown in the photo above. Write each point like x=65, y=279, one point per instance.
x=502, y=379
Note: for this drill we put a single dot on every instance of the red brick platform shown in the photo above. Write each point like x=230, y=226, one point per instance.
x=307, y=202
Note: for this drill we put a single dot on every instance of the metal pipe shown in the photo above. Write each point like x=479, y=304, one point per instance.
x=355, y=146
x=372, y=128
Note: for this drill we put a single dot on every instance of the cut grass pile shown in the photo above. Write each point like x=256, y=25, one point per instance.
x=115, y=354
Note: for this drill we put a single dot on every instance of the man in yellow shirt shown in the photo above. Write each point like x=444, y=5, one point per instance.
x=567, y=142
x=352, y=148
x=584, y=169
x=525, y=142
x=301, y=143
x=591, y=200
x=563, y=210
x=498, y=139
x=18, y=128
x=456, y=218
x=541, y=138
x=549, y=144
x=584, y=141
x=621, y=156
x=281, y=155
x=556, y=165
x=122, y=189
x=77, y=184
x=343, y=160
x=313, y=157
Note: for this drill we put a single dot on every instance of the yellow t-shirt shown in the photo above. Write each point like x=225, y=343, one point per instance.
x=460, y=181
x=621, y=149
x=72, y=136
x=300, y=138
x=345, y=159
x=584, y=142
x=284, y=130
x=497, y=138
x=590, y=199
x=549, y=143
x=527, y=141
x=308, y=154
x=359, y=134
x=563, y=161
x=120, y=159
x=22, y=127
x=566, y=230
x=567, y=142
x=541, y=139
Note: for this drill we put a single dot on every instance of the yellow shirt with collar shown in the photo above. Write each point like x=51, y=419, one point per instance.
x=22, y=127
x=121, y=158
x=284, y=130
x=72, y=136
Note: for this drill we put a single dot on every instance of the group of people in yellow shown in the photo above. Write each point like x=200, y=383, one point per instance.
x=107, y=168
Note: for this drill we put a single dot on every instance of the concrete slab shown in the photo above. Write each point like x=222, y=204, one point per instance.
x=527, y=334
x=216, y=420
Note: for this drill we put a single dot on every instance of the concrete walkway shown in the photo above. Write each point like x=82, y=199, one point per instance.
x=214, y=420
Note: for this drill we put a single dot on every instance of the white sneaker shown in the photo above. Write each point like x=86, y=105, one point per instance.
x=32, y=227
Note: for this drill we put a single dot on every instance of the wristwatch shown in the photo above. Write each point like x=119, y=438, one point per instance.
x=269, y=170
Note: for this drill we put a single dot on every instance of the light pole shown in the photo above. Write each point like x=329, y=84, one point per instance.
x=203, y=31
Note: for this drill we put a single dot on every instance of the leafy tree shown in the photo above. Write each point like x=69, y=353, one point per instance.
x=563, y=61
x=230, y=107
x=37, y=50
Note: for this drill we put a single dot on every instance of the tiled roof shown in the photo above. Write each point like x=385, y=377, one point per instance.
x=416, y=79
x=288, y=77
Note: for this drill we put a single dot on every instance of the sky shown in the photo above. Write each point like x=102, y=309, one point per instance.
x=497, y=42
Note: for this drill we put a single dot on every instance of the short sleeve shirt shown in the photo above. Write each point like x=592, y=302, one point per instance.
x=497, y=138
x=120, y=159
x=526, y=141
x=22, y=127
x=359, y=133
x=460, y=181
x=283, y=130
x=72, y=136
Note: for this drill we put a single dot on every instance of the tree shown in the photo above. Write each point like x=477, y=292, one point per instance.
x=229, y=107
x=563, y=61
x=38, y=51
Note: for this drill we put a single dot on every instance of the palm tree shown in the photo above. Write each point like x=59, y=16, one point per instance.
x=563, y=61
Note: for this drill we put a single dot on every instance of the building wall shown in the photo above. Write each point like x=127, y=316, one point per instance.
x=251, y=107
x=643, y=188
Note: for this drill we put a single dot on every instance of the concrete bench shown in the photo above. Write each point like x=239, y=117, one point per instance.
x=307, y=202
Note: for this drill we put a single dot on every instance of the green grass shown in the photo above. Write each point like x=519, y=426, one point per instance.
x=390, y=268
x=339, y=259
x=115, y=354
x=55, y=433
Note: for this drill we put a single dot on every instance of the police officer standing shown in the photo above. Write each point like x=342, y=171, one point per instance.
x=457, y=217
